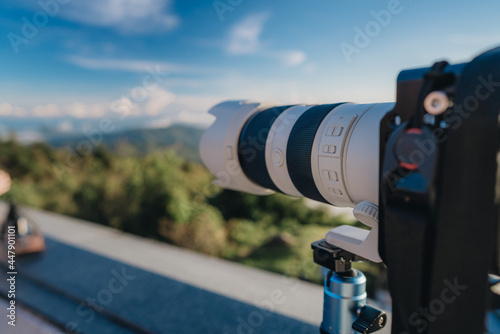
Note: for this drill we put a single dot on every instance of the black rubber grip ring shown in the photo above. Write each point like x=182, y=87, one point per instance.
x=299, y=149
x=252, y=146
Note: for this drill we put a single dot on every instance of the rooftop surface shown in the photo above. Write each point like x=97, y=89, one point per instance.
x=95, y=279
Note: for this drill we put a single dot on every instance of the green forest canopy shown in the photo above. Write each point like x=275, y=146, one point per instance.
x=165, y=197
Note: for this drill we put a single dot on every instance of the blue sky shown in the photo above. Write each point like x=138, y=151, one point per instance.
x=92, y=59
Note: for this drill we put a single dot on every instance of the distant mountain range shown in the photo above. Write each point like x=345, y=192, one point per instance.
x=183, y=139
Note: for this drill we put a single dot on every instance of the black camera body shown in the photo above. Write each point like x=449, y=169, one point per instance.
x=438, y=197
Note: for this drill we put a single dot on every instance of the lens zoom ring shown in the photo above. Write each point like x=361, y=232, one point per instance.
x=299, y=149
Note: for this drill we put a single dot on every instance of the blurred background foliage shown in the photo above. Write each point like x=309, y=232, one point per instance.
x=160, y=195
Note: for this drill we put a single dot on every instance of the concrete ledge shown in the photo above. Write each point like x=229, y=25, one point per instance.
x=172, y=288
x=95, y=279
x=27, y=322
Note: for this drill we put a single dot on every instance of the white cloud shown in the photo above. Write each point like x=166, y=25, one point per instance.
x=244, y=36
x=50, y=110
x=293, y=58
x=65, y=126
x=130, y=16
x=124, y=107
x=20, y=112
x=309, y=68
x=6, y=109
x=121, y=64
x=244, y=39
x=78, y=110
x=195, y=117
x=81, y=110
x=202, y=103
x=160, y=107
x=158, y=100
x=160, y=68
x=187, y=109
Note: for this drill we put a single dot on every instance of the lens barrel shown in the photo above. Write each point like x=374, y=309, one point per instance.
x=328, y=153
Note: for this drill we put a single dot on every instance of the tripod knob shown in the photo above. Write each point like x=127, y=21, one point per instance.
x=367, y=213
x=369, y=320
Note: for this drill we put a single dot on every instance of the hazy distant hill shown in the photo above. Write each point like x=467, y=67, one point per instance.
x=183, y=139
